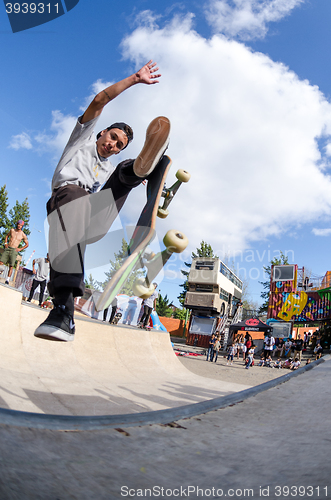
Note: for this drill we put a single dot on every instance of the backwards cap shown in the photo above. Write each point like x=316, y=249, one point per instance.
x=125, y=128
x=20, y=222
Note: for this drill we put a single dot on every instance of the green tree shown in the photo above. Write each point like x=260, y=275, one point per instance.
x=4, y=221
x=92, y=283
x=205, y=250
x=180, y=314
x=162, y=306
x=115, y=265
x=283, y=259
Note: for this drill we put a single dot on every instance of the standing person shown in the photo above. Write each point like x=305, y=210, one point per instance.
x=149, y=304
x=9, y=255
x=269, y=342
x=248, y=339
x=231, y=351
x=250, y=357
x=305, y=340
x=88, y=193
x=216, y=348
x=113, y=311
x=244, y=350
x=40, y=277
x=211, y=347
x=298, y=346
x=287, y=348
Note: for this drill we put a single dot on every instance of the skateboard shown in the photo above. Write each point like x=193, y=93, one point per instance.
x=144, y=233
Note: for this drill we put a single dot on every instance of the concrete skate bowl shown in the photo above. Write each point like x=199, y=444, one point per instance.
x=109, y=375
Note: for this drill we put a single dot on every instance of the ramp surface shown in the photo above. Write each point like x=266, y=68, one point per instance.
x=107, y=370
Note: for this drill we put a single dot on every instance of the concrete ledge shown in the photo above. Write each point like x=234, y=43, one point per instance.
x=83, y=423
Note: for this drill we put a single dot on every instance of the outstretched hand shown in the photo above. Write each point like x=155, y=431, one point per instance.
x=147, y=74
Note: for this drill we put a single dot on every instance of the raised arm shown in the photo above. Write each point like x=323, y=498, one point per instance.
x=147, y=74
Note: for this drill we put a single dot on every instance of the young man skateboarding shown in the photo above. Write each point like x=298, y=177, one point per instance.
x=88, y=193
x=10, y=253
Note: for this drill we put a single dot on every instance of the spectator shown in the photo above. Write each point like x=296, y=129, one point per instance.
x=318, y=351
x=279, y=347
x=298, y=346
x=211, y=347
x=216, y=348
x=230, y=354
x=149, y=304
x=250, y=360
x=287, y=349
x=295, y=364
x=40, y=278
x=287, y=363
x=244, y=350
x=269, y=343
x=268, y=362
x=278, y=363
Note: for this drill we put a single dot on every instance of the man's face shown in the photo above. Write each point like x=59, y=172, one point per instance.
x=111, y=142
x=19, y=226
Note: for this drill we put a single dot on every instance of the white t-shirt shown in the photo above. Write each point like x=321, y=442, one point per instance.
x=269, y=343
x=150, y=300
x=80, y=163
x=42, y=270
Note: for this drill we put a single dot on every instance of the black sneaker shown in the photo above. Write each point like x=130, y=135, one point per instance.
x=59, y=325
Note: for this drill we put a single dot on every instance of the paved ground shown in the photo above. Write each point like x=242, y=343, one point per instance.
x=236, y=373
x=276, y=443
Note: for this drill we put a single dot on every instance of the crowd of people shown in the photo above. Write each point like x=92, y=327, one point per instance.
x=277, y=353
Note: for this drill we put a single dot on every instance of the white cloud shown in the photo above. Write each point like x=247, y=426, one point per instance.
x=21, y=141
x=246, y=19
x=61, y=128
x=321, y=232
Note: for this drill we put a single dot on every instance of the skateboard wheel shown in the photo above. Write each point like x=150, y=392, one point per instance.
x=175, y=241
x=183, y=175
x=162, y=213
x=140, y=289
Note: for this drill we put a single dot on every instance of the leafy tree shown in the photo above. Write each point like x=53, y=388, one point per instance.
x=4, y=222
x=115, y=265
x=283, y=259
x=92, y=283
x=205, y=250
x=180, y=314
x=162, y=306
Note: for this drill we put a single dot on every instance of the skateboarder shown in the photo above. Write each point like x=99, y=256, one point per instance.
x=87, y=194
x=149, y=304
x=9, y=255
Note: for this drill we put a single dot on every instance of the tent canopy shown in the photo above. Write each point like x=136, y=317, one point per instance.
x=251, y=325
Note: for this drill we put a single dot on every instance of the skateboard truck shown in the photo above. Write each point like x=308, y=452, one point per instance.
x=169, y=193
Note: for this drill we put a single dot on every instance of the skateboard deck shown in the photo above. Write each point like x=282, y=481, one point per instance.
x=143, y=233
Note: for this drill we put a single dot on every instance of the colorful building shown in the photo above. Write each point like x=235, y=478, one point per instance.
x=297, y=297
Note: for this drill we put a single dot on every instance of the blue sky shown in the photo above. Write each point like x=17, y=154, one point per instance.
x=246, y=85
